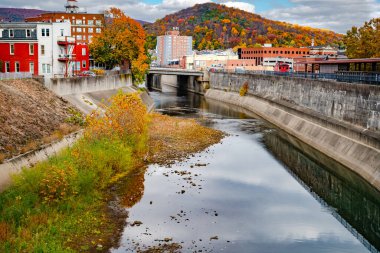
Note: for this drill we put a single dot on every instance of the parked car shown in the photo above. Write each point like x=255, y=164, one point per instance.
x=86, y=73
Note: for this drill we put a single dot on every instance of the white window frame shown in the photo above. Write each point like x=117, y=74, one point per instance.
x=7, y=67
x=47, y=32
x=17, y=66
x=28, y=31
x=31, y=49
x=12, y=49
x=31, y=67
x=84, y=64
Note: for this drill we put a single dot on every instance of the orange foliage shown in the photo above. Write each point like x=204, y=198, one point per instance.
x=123, y=39
x=125, y=117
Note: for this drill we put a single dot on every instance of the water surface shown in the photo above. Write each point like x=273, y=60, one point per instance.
x=257, y=191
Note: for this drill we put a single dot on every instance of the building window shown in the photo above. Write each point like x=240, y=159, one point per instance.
x=84, y=37
x=17, y=66
x=79, y=37
x=28, y=33
x=84, y=64
x=45, y=68
x=31, y=67
x=11, y=33
x=83, y=51
x=45, y=32
x=48, y=68
x=90, y=30
x=98, y=30
x=62, y=32
x=90, y=22
x=79, y=29
x=12, y=49
x=98, y=22
x=42, y=50
x=7, y=67
x=78, y=21
x=31, y=49
x=89, y=38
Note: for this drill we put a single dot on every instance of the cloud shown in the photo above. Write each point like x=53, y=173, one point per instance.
x=241, y=5
x=336, y=15
x=134, y=8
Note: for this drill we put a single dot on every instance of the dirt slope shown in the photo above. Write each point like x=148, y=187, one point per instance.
x=30, y=115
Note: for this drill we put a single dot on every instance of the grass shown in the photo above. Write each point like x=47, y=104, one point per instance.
x=61, y=205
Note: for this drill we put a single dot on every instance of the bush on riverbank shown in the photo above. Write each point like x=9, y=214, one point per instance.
x=62, y=201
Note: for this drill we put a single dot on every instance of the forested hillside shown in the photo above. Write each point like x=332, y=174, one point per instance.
x=215, y=26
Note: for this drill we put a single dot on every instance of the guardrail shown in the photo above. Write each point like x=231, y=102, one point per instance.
x=15, y=75
x=343, y=76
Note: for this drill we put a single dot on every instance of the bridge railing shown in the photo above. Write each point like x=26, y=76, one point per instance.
x=340, y=76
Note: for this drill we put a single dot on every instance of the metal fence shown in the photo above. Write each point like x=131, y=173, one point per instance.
x=342, y=76
x=15, y=75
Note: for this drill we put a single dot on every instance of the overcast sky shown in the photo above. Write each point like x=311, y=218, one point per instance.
x=337, y=15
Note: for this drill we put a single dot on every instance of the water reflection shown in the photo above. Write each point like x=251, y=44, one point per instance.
x=349, y=198
x=253, y=195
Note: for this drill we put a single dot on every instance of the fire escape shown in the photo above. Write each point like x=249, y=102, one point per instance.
x=67, y=56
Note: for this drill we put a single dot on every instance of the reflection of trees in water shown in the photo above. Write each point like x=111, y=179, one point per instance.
x=355, y=202
x=132, y=188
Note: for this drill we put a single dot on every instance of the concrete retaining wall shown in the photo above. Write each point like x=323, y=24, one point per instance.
x=27, y=160
x=78, y=85
x=357, y=104
x=359, y=157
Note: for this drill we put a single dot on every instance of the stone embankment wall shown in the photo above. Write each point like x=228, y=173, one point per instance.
x=340, y=120
x=78, y=85
x=357, y=104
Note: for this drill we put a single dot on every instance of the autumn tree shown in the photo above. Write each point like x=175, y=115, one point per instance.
x=123, y=39
x=364, y=42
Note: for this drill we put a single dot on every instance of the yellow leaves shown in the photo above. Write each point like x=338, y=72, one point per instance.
x=234, y=31
x=126, y=116
x=226, y=21
x=55, y=184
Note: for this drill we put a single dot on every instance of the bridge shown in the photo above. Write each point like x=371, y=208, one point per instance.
x=182, y=80
x=178, y=72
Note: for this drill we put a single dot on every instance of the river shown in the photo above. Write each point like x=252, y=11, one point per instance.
x=259, y=190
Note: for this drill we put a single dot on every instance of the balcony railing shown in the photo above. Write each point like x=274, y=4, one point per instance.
x=65, y=40
x=66, y=57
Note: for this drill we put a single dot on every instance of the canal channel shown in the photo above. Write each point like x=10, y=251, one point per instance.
x=259, y=190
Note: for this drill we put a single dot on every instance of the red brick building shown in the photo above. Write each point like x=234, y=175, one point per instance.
x=258, y=54
x=83, y=25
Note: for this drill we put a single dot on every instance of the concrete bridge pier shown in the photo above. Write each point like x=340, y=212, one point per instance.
x=153, y=82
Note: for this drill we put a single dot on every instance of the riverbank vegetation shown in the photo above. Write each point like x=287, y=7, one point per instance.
x=67, y=204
